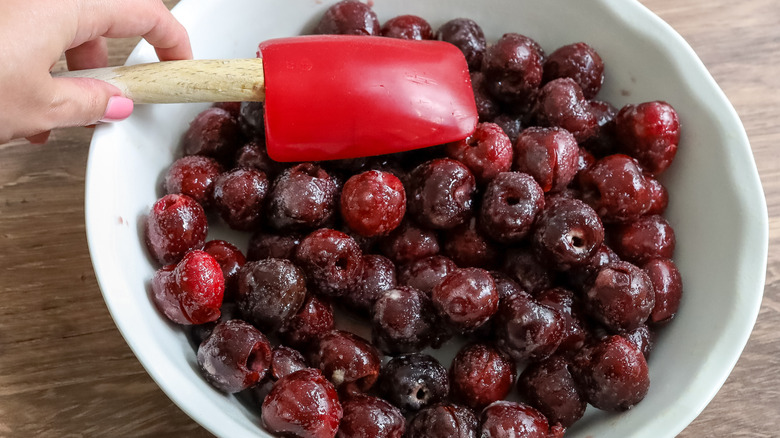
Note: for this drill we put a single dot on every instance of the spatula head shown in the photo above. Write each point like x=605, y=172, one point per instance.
x=332, y=97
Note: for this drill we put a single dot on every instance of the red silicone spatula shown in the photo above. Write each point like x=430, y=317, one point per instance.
x=326, y=97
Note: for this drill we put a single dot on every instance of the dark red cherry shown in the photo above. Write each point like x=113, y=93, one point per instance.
x=466, y=298
x=302, y=404
x=550, y=155
x=504, y=419
x=367, y=416
x=668, y=287
x=444, y=420
x=348, y=17
x=407, y=27
x=577, y=61
x=649, y=132
x=613, y=374
x=235, y=356
x=466, y=35
x=526, y=329
x=481, y=374
x=404, y=321
x=347, y=360
x=550, y=387
x=621, y=296
x=176, y=225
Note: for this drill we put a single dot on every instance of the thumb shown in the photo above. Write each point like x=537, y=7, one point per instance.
x=85, y=101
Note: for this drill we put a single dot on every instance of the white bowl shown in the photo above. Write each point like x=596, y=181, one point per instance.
x=717, y=206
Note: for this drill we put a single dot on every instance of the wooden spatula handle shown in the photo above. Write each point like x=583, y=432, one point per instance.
x=222, y=80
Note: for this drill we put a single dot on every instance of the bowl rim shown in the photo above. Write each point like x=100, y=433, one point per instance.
x=641, y=20
x=691, y=404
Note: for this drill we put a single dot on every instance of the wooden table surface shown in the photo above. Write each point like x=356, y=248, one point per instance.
x=65, y=371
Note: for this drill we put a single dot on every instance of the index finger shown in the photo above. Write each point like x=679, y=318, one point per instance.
x=149, y=19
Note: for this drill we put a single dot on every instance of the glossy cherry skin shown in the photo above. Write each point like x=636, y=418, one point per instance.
x=407, y=27
x=487, y=108
x=642, y=338
x=481, y=374
x=305, y=328
x=332, y=261
x=526, y=329
x=190, y=292
x=585, y=160
x=213, y=133
x=347, y=360
x=512, y=125
x=522, y=266
x=440, y=193
x=621, y=296
x=509, y=207
x=505, y=286
x=404, y=321
x=648, y=237
x=426, y=273
x=378, y=276
x=264, y=245
x=577, y=61
x=239, y=196
x=561, y=103
x=613, y=374
x=235, y=356
x=198, y=333
x=234, y=108
x=251, y=119
x=550, y=387
x=604, y=142
x=285, y=361
x=270, y=292
x=568, y=232
x=373, y=203
x=254, y=156
x=414, y=381
x=367, y=416
x=668, y=287
x=513, y=67
x=231, y=260
x=348, y=17
x=176, y=224
x=302, y=196
x=468, y=246
x=581, y=277
x=445, y=420
x=366, y=244
x=550, y=155
x=574, y=329
x=649, y=132
x=659, y=196
x=408, y=243
x=504, y=419
x=616, y=188
x=467, y=36
x=193, y=176
x=466, y=298
x=487, y=152
x=302, y=404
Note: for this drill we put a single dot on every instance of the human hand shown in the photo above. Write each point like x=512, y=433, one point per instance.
x=35, y=34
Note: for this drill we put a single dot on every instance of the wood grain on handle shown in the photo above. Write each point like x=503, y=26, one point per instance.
x=219, y=80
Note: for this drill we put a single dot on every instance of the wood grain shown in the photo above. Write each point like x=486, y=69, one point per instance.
x=65, y=371
x=197, y=80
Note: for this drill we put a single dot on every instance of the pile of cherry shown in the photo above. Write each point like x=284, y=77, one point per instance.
x=539, y=239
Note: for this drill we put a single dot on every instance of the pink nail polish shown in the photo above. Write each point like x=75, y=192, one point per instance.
x=119, y=108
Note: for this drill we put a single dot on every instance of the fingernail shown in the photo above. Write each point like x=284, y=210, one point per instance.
x=119, y=108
